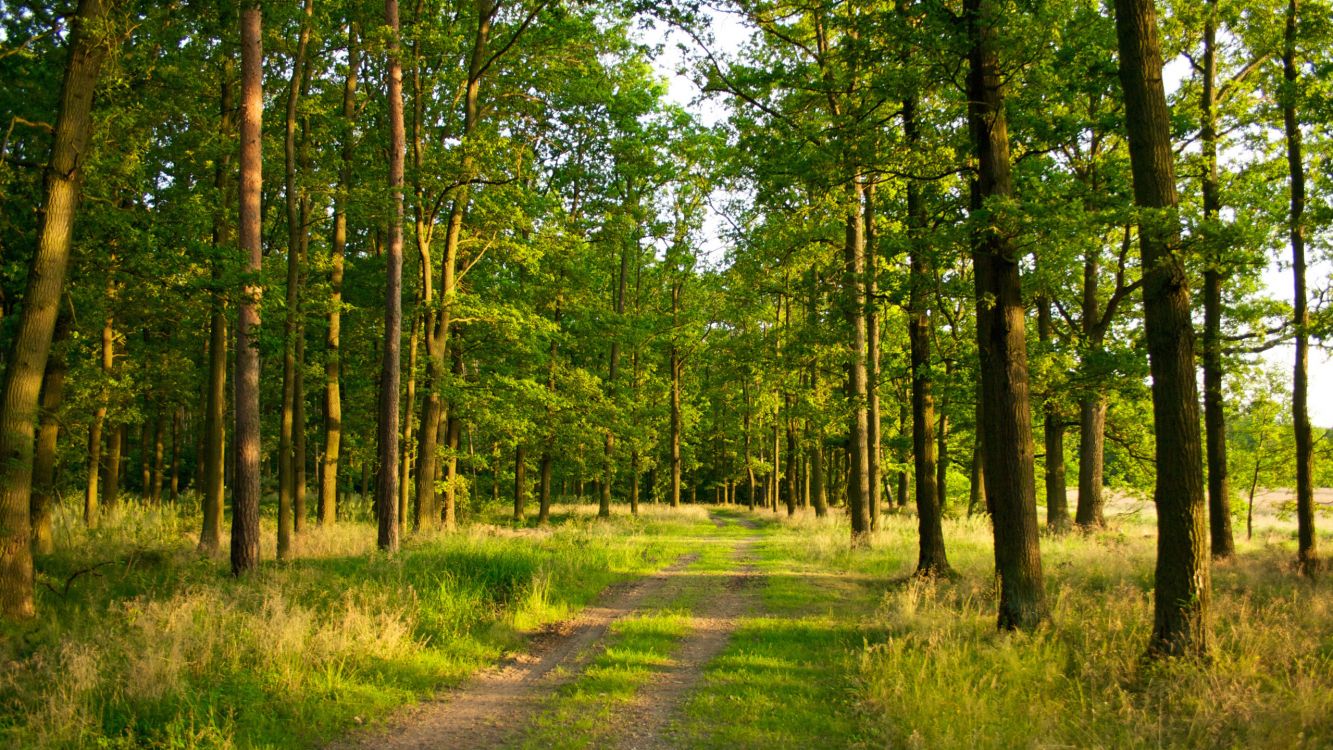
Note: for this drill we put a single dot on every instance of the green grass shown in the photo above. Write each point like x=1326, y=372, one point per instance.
x=159, y=647
x=584, y=713
x=942, y=677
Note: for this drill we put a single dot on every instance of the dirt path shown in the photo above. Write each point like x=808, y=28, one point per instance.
x=496, y=705
x=647, y=723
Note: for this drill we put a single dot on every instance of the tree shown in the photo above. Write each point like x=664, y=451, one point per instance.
x=1010, y=482
x=245, y=492
x=1307, y=549
x=386, y=496
x=26, y=361
x=1181, y=597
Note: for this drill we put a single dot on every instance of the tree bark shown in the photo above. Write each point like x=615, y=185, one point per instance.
x=544, y=490
x=295, y=230
x=215, y=409
x=26, y=363
x=520, y=482
x=932, y=559
x=328, y=470
x=676, y=366
x=48, y=433
x=1307, y=541
x=1007, y=447
x=1053, y=429
x=386, y=495
x=873, y=422
x=245, y=492
x=1183, y=588
x=858, y=484
x=1214, y=407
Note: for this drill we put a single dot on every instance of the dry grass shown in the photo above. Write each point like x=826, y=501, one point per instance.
x=154, y=645
x=944, y=678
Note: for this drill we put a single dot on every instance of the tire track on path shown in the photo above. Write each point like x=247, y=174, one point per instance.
x=496, y=705
x=648, y=723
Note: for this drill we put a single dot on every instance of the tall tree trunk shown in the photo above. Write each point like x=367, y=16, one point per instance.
x=1003, y=349
x=295, y=230
x=749, y=456
x=145, y=451
x=942, y=445
x=675, y=426
x=409, y=412
x=873, y=473
x=858, y=484
x=1090, y=513
x=159, y=455
x=1183, y=588
x=215, y=408
x=453, y=428
x=932, y=559
x=792, y=490
x=1091, y=449
x=328, y=470
x=438, y=324
x=177, y=418
x=1307, y=541
x=26, y=363
x=48, y=432
x=977, y=499
x=386, y=495
x=1214, y=407
x=520, y=481
x=544, y=489
x=245, y=492
x=634, y=482
x=1057, y=502
x=113, y=459
x=818, y=491
x=95, y=428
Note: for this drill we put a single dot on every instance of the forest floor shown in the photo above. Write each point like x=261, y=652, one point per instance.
x=690, y=628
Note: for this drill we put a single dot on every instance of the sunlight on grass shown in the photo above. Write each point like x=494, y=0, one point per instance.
x=145, y=643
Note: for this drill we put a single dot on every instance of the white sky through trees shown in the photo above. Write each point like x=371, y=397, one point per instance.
x=729, y=34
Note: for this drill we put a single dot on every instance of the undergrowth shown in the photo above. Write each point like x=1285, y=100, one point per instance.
x=143, y=642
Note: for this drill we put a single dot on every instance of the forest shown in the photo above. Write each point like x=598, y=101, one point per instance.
x=929, y=374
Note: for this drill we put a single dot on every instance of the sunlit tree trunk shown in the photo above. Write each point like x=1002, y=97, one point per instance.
x=328, y=469
x=386, y=490
x=26, y=363
x=873, y=473
x=48, y=433
x=245, y=493
x=858, y=446
x=295, y=230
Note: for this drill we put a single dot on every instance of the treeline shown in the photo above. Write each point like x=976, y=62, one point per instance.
x=457, y=249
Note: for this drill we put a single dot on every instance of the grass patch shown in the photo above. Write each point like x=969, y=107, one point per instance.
x=153, y=645
x=585, y=713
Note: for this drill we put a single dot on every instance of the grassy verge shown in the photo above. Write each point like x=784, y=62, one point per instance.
x=142, y=642
x=940, y=676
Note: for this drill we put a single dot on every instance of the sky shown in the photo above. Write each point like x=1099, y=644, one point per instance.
x=730, y=34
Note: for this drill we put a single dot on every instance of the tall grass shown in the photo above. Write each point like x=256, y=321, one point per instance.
x=942, y=677
x=143, y=642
